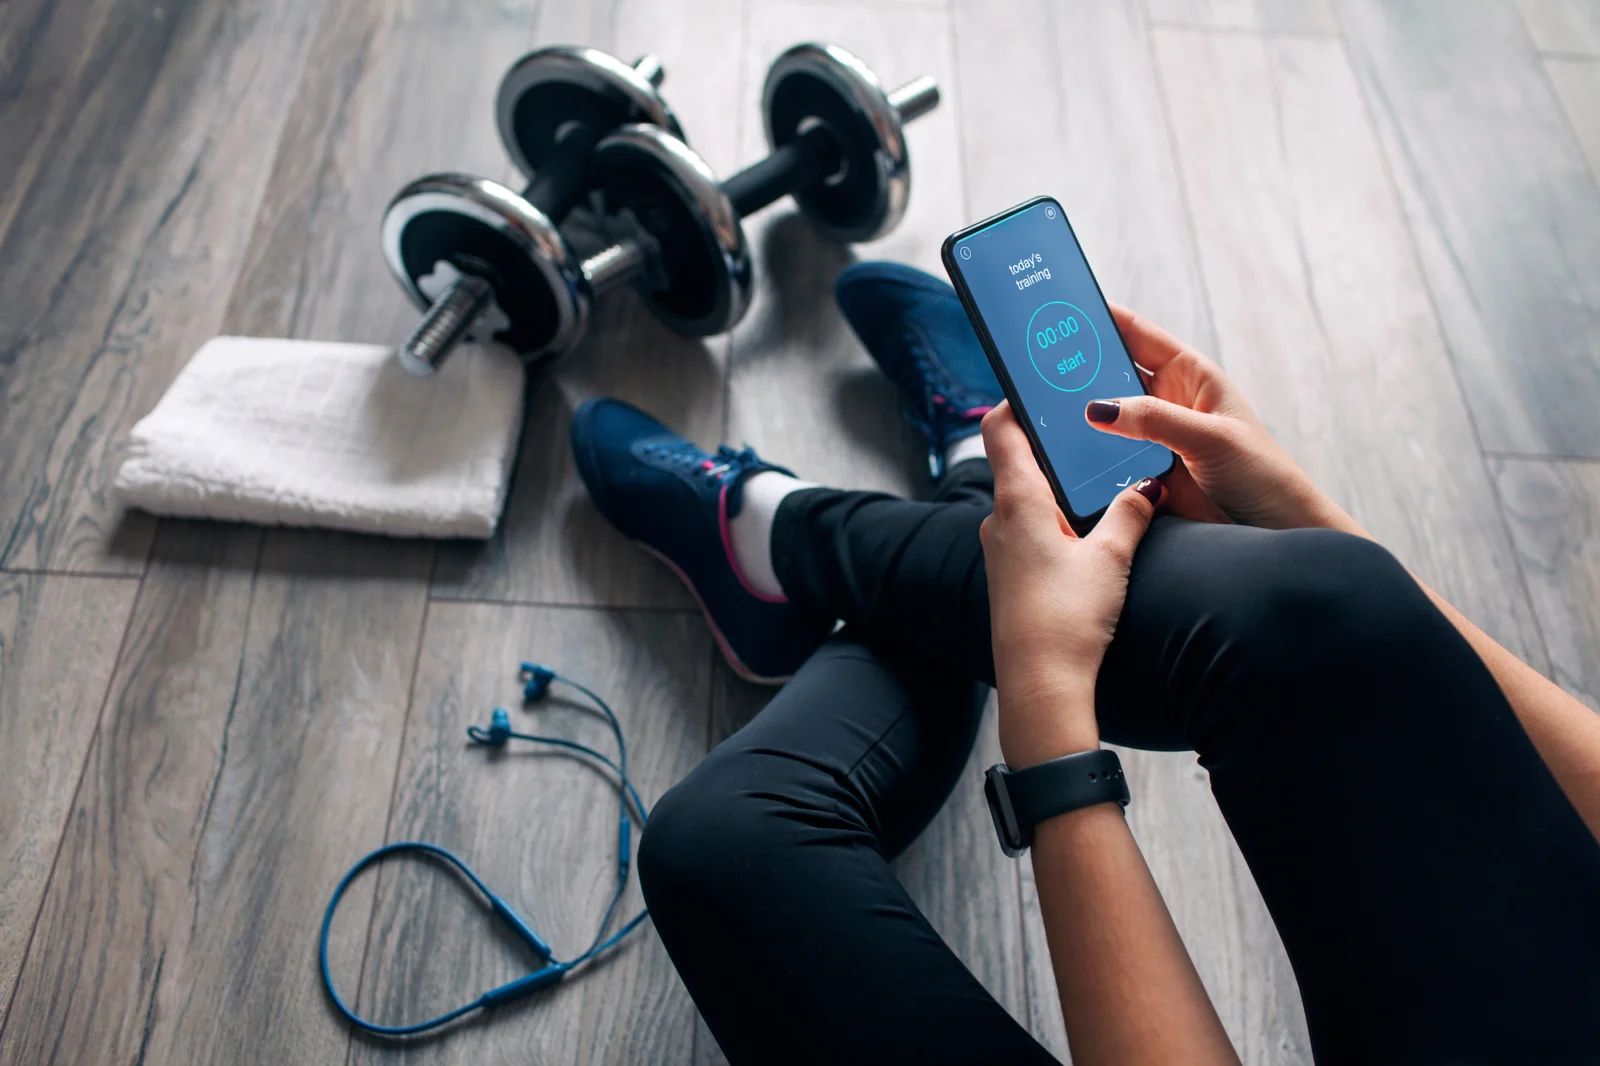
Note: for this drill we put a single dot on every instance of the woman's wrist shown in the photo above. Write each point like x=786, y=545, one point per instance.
x=1337, y=518
x=1321, y=512
x=1043, y=722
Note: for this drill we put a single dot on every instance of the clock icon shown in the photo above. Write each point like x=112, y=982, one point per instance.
x=1064, y=346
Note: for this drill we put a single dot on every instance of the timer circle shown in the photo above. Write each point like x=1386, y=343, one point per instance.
x=1058, y=341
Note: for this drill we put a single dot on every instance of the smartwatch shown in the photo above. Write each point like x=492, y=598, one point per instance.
x=1021, y=799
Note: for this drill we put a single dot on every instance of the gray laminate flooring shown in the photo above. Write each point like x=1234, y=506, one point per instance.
x=1382, y=217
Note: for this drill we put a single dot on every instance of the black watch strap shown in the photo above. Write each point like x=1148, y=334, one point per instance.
x=1021, y=799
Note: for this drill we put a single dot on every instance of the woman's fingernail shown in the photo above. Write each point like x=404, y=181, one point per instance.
x=1150, y=489
x=1103, y=411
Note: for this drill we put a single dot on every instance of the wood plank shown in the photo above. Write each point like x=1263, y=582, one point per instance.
x=122, y=894
x=248, y=755
x=1323, y=318
x=390, y=93
x=1291, y=16
x=552, y=546
x=44, y=48
x=1554, y=512
x=1577, y=83
x=706, y=1051
x=49, y=705
x=1091, y=133
x=1504, y=209
x=1563, y=25
x=328, y=641
x=540, y=829
x=122, y=251
x=801, y=388
x=701, y=55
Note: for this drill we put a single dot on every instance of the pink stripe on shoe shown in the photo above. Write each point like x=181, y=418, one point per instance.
x=722, y=642
x=727, y=548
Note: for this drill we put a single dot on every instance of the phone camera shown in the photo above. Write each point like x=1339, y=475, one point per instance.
x=966, y=253
x=1049, y=212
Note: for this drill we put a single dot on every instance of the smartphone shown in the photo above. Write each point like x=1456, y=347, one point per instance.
x=1050, y=337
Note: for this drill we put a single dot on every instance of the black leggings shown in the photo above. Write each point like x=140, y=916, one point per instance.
x=1438, y=895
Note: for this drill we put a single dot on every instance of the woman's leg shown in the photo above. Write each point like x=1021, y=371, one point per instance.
x=767, y=874
x=907, y=575
x=1435, y=890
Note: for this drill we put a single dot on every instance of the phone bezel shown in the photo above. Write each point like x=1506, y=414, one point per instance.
x=1081, y=524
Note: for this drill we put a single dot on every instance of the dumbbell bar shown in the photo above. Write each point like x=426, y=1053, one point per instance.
x=838, y=149
x=459, y=245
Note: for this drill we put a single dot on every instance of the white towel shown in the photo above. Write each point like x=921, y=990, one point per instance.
x=312, y=433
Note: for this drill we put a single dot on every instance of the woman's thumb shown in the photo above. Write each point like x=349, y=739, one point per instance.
x=1127, y=517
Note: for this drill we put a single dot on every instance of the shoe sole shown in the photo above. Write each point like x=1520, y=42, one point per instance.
x=728, y=653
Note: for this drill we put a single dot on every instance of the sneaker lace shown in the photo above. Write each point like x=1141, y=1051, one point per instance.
x=939, y=387
x=715, y=465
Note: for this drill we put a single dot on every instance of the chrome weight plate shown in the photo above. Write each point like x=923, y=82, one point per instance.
x=673, y=195
x=546, y=90
x=824, y=84
x=477, y=226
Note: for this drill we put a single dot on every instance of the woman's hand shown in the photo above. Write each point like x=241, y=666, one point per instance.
x=1054, y=599
x=1230, y=468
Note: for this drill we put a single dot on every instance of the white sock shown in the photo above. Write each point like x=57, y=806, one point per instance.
x=964, y=449
x=750, y=531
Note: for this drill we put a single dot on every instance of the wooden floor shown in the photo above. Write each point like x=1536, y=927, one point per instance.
x=1382, y=216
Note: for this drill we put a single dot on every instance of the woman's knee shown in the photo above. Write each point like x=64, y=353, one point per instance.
x=685, y=851
x=739, y=818
x=1226, y=624
x=1318, y=600
x=1291, y=596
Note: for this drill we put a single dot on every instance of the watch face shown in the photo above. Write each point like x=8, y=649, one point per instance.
x=1005, y=819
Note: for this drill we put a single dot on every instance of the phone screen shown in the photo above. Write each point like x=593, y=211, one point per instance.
x=1059, y=346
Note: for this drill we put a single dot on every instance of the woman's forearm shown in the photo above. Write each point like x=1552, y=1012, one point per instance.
x=1129, y=992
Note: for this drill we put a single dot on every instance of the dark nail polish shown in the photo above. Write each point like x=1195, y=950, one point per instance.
x=1103, y=411
x=1150, y=489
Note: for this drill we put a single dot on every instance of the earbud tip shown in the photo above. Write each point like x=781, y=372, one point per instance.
x=538, y=680
x=499, y=726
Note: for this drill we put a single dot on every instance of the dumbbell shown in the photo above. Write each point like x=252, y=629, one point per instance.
x=838, y=148
x=482, y=260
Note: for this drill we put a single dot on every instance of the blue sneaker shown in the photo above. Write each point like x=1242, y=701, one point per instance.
x=675, y=501
x=913, y=325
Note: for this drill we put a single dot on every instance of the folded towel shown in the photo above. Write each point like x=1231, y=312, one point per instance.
x=312, y=433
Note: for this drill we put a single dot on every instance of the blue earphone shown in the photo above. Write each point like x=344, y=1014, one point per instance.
x=537, y=680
